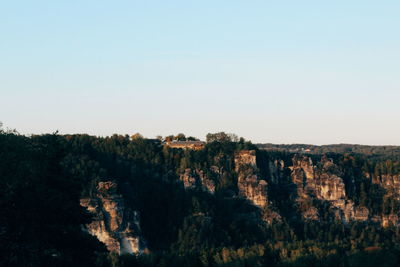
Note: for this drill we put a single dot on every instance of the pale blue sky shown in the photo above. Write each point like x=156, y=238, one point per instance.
x=272, y=71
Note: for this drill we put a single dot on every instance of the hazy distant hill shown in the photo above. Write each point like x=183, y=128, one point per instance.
x=374, y=151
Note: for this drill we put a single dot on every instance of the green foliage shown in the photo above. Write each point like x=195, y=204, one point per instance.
x=43, y=177
x=40, y=215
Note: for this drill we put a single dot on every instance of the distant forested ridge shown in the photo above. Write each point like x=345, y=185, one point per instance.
x=231, y=203
x=382, y=152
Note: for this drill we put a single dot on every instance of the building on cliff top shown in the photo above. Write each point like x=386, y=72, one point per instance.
x=196, y=145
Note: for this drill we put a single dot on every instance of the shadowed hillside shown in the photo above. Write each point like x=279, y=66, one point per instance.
x=132, y=201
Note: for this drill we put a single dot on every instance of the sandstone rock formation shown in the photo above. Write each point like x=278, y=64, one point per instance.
x=311, y=214
x=253, y=189
x=361, y=214
x=249, y=184
x=391, y=183
x=318, y=186
x=197, y=179
x=114, y=224
x=390, y=220
x=323, y=182
x=245, y=157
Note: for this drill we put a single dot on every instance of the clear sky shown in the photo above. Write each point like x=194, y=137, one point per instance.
x=315, y=72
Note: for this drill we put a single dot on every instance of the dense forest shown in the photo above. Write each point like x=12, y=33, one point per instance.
x=43, y=178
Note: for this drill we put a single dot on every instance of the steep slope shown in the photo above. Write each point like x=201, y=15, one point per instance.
x=114, y=224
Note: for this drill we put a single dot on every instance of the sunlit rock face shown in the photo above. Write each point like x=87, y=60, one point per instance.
x=302, y=173
x=310, y=214
x=245, y=157
x=192, y=179
x=391, y=183
x=387, y=220
x=323, y=182
x=331, y=187
x=361, y=214
x=390, y=220
x=114, y=224
x=253, y=189
x=249, y=184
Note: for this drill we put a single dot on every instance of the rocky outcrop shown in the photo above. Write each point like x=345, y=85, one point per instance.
x=391, y=183
x=253, y=189
x=197, y=179
x=311, y=214
x=245, y=158
x=302, y=173
x=319, y=189
x=249, y=184
x=391, y=186
x=390, y=220
x=323, y=182
x=361, y=214
x=330, y=187
x=386, y=220
x=114, y=224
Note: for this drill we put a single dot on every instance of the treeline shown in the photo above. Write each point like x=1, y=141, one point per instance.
x=374, y=152
x=40, y=216
x=43, y=177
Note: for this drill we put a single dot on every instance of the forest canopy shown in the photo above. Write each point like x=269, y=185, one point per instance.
x=43, y=177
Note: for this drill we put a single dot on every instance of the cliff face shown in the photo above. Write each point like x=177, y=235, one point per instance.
x=389, y=220
x=249, y=184
x=323, y=182
x=245, y=157
x=114, y=224
x=197, y=179
x=391, y=183
x=254, y=189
